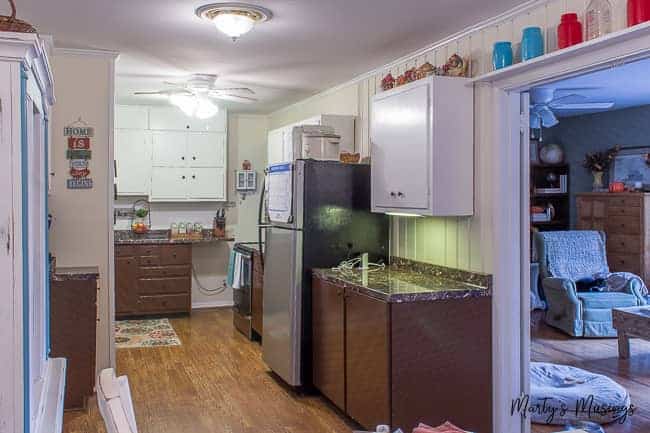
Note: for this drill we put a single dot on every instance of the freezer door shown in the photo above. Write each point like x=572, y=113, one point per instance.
x=281, y=349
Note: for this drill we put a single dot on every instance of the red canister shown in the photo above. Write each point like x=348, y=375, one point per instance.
x=638, y=11
x=569, y=32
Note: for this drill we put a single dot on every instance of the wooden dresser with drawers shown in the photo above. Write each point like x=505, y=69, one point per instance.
x=153, y=279
x=625, y=218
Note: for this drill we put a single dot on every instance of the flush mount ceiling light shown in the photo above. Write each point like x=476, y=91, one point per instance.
x=234, y=19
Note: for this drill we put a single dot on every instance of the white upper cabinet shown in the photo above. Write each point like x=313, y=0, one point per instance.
x=206, y=183
x=280, y=144
x=169, y=118
x=169, y=184
x=163, y=154
x=206, y=149
x=276, y=146
x=422, y=148
x=169, y=148
x=131, y=117
x=133, y=161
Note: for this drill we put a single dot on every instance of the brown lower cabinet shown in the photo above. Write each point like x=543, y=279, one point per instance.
x=403, y=363
x=153, y=279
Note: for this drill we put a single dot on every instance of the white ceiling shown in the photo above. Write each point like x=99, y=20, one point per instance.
x=626, y=86
x=308, y=46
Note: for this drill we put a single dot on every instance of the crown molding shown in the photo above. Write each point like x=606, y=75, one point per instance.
x=86, y=52
x=511, y=13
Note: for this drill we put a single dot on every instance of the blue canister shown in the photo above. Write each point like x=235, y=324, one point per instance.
x=502, y=55
x=532, y=43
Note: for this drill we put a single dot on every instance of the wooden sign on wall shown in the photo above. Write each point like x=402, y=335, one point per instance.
x=79, y=154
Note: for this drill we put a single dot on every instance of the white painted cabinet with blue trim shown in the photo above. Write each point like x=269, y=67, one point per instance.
x=31, y=384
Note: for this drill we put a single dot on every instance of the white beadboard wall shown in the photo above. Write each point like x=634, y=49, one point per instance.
x=455, y=242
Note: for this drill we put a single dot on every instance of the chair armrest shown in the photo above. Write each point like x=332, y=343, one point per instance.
x=562, y=287
x=635, y=286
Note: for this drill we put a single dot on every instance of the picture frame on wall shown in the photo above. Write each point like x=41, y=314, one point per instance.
x=631, y=167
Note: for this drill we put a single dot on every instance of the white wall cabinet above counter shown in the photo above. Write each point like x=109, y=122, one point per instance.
x=175, y=161
x=164, y=118
x=422, y=150
x=280, y=141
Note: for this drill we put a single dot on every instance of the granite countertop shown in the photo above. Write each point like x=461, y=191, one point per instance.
x=75, y=273
x=409, y=281
x=161, y=237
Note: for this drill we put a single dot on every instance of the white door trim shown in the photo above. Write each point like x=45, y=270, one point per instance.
x=511, y=345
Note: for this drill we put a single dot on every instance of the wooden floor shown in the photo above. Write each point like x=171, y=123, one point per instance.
x=215, y=382
x=599, y=356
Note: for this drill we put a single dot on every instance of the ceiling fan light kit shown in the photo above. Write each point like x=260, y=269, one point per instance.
x=234, y=19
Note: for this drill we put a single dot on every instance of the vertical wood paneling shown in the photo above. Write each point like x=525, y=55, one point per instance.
x=457, y=241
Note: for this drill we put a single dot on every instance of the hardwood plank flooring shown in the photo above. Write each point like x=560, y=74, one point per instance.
x=599, y=356
x=215, y=382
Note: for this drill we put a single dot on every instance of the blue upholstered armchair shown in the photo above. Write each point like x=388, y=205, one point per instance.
x=569, y=256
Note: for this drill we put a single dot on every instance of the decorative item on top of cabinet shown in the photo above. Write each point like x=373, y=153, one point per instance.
x=422, y=152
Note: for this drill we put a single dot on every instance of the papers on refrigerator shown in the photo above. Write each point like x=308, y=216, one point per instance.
x=280, y=193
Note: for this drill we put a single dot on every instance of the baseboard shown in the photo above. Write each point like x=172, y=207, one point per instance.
x=211, y=304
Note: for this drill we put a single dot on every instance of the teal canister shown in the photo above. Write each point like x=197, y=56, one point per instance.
x=532, y=43
x=502, y=55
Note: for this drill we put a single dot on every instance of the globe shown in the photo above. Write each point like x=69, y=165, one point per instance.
x=551, y=154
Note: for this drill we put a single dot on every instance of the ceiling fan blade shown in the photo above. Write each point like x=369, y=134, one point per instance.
x=585, y=106
x=165, y=92
x=234, y=98
x=159, y=92
x=235, y=89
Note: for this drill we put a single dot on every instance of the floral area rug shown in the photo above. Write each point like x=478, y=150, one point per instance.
x=130, y=334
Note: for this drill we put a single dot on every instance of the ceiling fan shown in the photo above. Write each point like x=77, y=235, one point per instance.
x=196, y=94
x=545, y=100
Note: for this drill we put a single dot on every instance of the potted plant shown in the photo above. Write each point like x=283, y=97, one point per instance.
x=598, y=163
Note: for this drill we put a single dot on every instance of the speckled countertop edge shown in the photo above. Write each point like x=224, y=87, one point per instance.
x=75, y=273
x=126, y=237
x=463, y=284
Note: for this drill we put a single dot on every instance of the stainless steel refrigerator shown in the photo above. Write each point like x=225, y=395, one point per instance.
x=318, y=214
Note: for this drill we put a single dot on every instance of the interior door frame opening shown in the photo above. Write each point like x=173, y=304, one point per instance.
x=504, y=105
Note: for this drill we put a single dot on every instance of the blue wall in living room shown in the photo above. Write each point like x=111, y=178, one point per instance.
x=595, y=132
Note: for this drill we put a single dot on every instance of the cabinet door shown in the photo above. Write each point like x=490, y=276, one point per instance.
x=133, y=161
x=168, y=118
x=126, y=277
x=367, y=360
x=400, y=137
x=328, y=341
x=275, y=146
x=206, y=149
x=215, y=123
x=131, y=117
x=288, y=153
x=207, y=183
x=169, y=184
x=169, y=149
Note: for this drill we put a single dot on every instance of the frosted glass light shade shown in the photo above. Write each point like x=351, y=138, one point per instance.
x=234, y=25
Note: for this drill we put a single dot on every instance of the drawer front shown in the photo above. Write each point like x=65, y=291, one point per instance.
x=623, y=225
x=149, y=261
x=613, y=211
x=176, y=255
x=591, y=224
x=125, y=250
x=148, y=250
x=164, y=286
x=625, y=201
x=164, y=303
x=625, y=263
x=624, y=244
x=165, y=271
